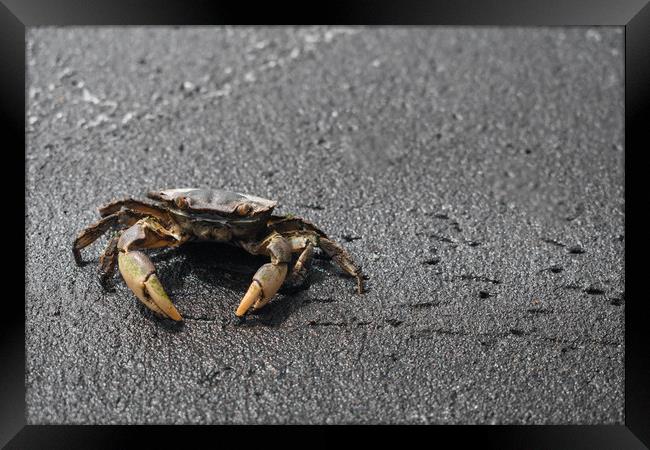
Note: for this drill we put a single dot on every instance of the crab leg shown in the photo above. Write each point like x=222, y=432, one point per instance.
x=343, y=259
x=137, y=269
x=108, y=260
x=91, y=233
x=137, y=206
x=298, y=275
x=299, y=271
x=268, y=279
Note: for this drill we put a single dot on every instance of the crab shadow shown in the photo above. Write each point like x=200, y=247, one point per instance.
x=228, y=270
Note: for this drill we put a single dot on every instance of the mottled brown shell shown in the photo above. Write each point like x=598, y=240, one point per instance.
x=214, y=201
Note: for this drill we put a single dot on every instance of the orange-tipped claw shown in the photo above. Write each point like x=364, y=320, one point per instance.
x=139, y=274
x=266, y=282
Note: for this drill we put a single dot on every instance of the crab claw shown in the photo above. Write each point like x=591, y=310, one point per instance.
x=139, y=274
x=266, y=282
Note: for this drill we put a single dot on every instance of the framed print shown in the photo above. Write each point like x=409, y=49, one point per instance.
x=377, y=216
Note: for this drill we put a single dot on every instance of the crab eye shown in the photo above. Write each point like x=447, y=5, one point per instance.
x=243, y=209
x=180, y=202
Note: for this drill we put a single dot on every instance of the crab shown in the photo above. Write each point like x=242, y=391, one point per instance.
x=182, y=215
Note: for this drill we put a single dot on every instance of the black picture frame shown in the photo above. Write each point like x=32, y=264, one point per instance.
x=633, y=15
